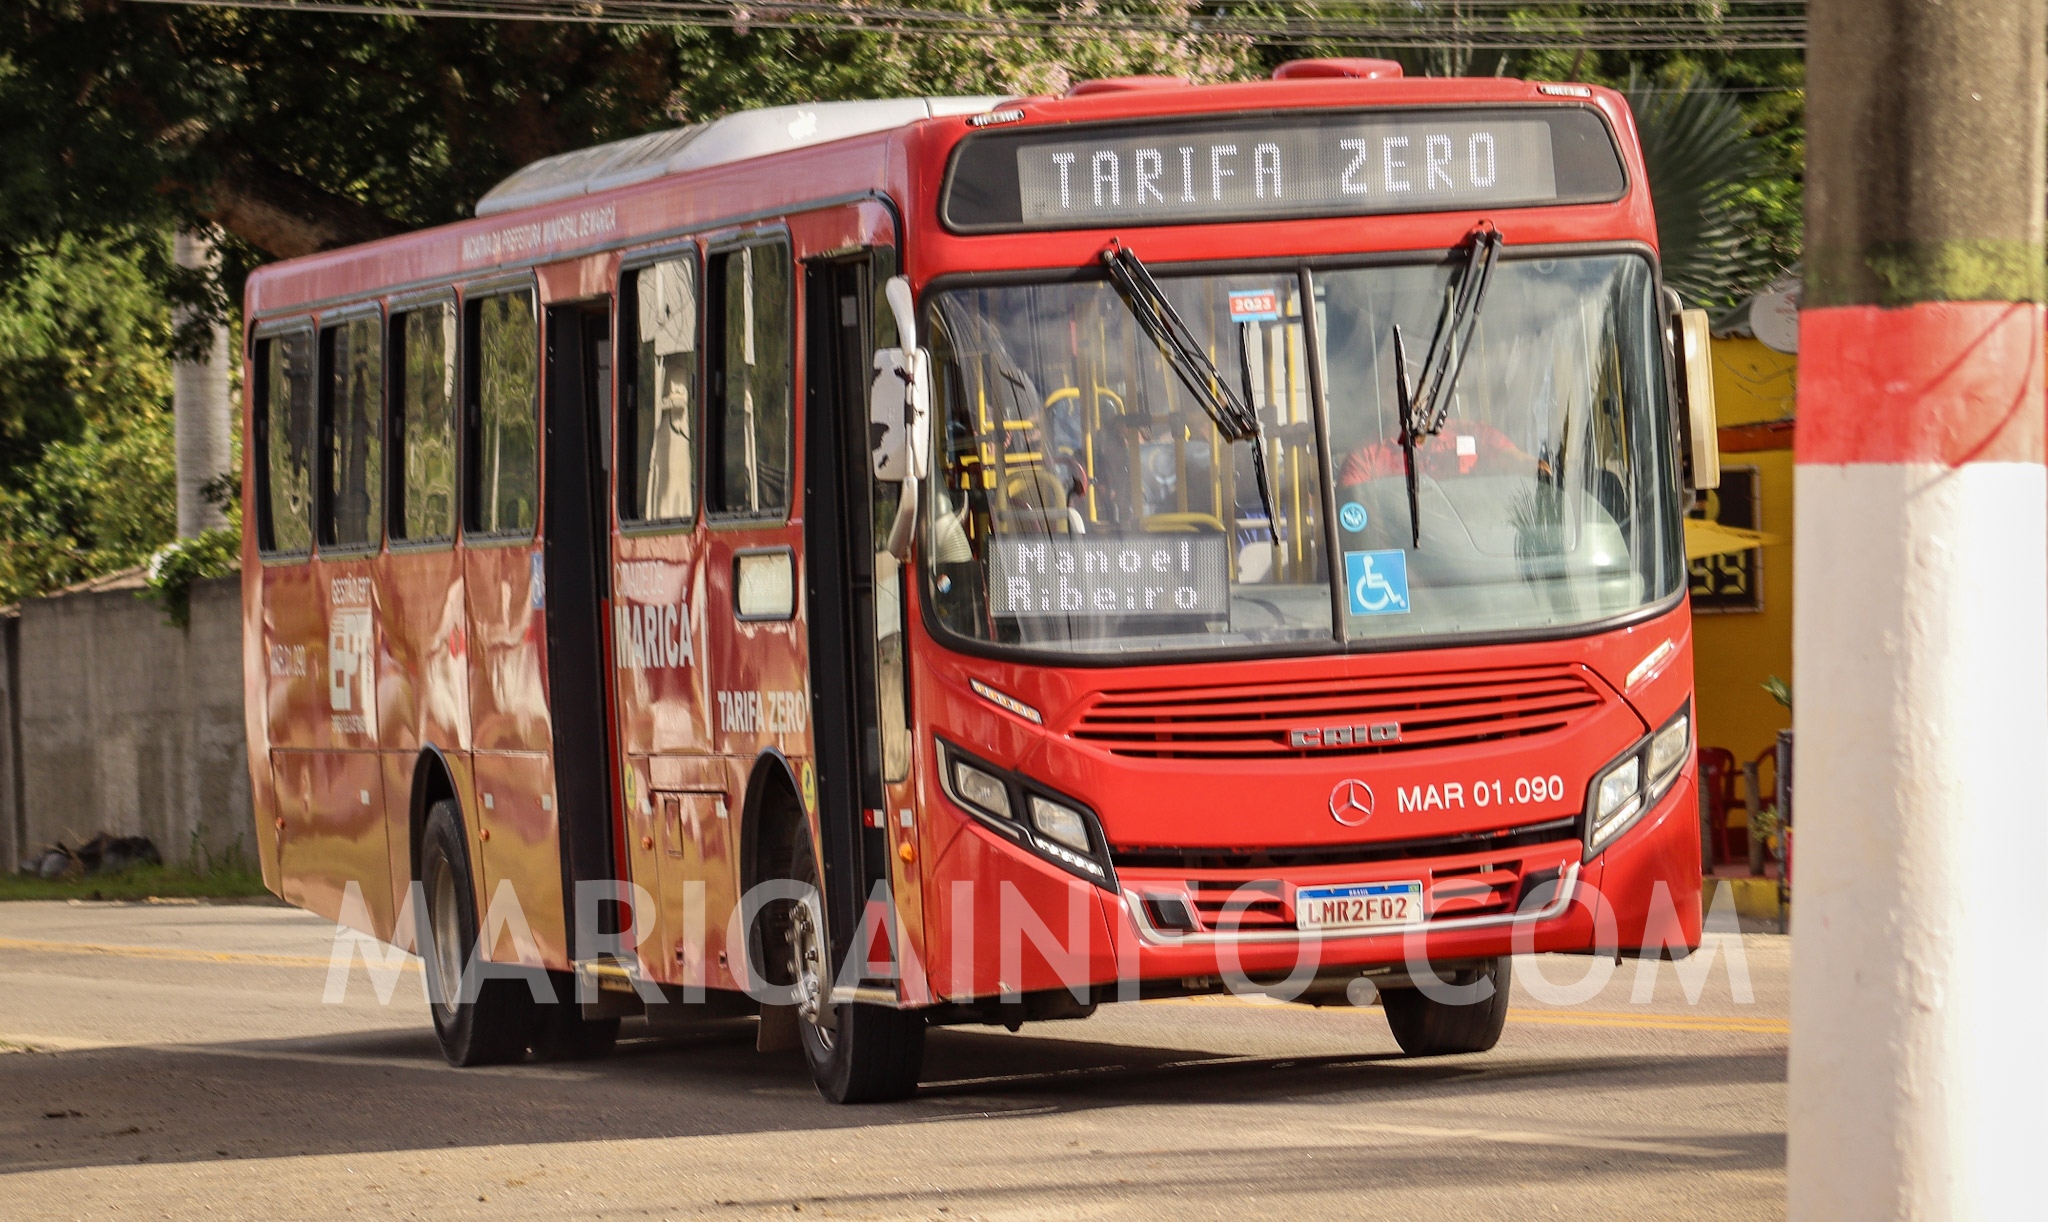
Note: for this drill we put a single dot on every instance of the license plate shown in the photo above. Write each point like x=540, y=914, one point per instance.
x=1358, y=905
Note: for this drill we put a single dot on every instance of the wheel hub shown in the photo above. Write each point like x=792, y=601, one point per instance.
x=807, y=961
x=445, y=955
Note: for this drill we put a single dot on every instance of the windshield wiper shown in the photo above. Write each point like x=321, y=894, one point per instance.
x=1426, y=404
x=1236, y=418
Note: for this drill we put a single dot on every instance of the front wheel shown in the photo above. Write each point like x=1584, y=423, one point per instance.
x=480, y=1021
x=871, y=1054
x=1427, y=1027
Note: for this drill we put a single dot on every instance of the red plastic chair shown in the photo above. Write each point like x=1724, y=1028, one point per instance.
x=1720, y=789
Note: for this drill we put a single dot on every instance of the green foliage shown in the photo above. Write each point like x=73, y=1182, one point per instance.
x=300, y=131
x=86, y=471
x=1698, y=153
x=1780, y=691
x=1767, y=87
x=296, y=131
x=235, y=879
x=175, y=566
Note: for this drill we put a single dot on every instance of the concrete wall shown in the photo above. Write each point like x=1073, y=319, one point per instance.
x=112, y=720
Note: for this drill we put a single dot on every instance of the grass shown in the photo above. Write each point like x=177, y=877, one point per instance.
x=232, y=881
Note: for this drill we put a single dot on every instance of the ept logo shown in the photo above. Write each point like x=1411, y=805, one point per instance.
x=1377, y=581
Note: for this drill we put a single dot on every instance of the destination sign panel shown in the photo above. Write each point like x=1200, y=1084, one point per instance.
x=1283, y=165
x=1117, y=575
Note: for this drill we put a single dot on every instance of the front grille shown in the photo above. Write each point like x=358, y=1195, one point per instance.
x=1243, y=902
x=1167, y=858
x=1255, y=720
x=1240, y=903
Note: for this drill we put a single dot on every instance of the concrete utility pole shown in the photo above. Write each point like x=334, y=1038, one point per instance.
x=1919, y=1063
x=199, y=400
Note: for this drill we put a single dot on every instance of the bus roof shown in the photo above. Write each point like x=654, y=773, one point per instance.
x=736, y=137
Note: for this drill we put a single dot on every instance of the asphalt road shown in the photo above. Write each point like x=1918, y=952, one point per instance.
x=179, y=1061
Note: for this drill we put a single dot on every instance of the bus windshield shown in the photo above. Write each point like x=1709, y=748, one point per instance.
x=1085, y=503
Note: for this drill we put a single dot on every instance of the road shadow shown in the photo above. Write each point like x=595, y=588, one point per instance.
x=390, y=1091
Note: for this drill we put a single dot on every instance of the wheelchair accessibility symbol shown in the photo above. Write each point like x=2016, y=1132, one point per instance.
x=1378, y=582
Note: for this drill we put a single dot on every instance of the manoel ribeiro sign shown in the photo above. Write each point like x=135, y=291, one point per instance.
x=1123, y=575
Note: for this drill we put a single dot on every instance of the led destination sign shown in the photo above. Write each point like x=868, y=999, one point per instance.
x=1121, y=575
x=1314, y=163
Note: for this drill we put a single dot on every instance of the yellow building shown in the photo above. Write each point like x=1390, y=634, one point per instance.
x=1742, y=602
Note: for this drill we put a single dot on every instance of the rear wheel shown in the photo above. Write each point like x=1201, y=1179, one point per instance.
x=1427, y=1027
x=870, y=1054
x=479, y=1021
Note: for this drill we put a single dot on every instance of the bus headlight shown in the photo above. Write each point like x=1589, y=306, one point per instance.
x=1056, y=828
x=978, y=789
x=1633, y=783
x=1667, y=752
x=1618, y=798
x=1059, y=822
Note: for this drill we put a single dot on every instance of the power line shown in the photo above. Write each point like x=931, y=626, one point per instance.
x=1474, y=25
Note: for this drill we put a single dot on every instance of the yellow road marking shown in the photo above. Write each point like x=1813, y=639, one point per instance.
x=177, y=954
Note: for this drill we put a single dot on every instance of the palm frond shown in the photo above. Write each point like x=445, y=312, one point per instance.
x=1697, y=149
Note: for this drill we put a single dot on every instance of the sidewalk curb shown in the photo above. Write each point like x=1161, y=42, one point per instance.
x=1756, y=899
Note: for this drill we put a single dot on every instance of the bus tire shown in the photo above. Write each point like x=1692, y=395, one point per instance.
x=1427, y=1027
x=874, y=1053
x=479, y=1021
x=562, y=1033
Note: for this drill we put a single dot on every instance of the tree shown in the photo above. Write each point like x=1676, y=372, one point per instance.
x=85, y=421
x=1699, y=156
x=300, y=132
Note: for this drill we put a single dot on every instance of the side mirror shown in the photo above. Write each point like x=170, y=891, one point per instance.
x=1696, y=382
x=899, y=399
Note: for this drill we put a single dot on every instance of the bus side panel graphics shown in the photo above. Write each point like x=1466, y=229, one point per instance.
x=658, y=635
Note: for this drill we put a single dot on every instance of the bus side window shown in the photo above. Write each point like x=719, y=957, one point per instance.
x=423, y=423
x=657, y=431
x=751, y=317
x=284, y=442
x=504, y=415
x=351, y=421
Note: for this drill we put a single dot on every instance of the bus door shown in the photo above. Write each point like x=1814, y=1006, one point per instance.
x=512, y=808
x=678, y=824
x=576, y=531
x=855, y=607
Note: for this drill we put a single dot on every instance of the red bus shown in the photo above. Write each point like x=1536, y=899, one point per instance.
x=890, y=564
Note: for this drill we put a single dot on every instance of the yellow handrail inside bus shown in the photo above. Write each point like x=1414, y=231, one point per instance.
x=1182, y=523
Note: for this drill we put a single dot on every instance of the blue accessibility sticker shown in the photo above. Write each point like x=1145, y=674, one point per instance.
x=1352, y=515
x=1377, y=581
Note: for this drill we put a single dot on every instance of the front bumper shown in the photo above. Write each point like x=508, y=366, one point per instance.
x=1052, y=931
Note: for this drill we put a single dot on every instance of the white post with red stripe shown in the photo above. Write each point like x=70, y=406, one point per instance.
x=1919, y=1068
x=1920, y=687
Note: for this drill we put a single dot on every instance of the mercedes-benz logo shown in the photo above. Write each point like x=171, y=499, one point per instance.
x=1351, y=802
